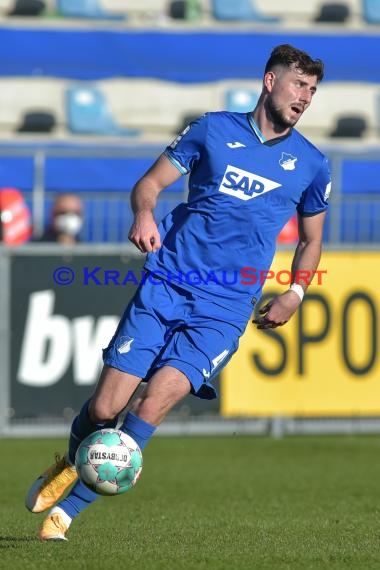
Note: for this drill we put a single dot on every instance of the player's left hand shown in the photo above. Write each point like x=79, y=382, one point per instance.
x=278, y=311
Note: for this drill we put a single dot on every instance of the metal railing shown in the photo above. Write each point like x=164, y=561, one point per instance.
x=352, y=216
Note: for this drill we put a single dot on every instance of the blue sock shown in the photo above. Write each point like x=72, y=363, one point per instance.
x=79, y=498
x=81, y=427
x=139, y=430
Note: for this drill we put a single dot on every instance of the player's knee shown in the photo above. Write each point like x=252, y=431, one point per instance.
x=101, y=412
x=149, y=409
x=145, y=405
x=136, y=405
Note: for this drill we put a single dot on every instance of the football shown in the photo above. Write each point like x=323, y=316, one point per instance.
x=109, y=462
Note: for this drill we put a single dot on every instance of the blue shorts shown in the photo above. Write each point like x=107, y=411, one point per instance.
x=165, y=325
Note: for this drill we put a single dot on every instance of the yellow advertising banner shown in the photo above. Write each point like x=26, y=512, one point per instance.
x=324, y=361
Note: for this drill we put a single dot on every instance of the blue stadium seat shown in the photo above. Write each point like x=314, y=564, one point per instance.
x=86, y=9
x=89, y=114
x=371, y=11
x=241, y=99
x=239, y=10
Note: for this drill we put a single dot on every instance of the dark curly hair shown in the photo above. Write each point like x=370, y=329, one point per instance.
x=287, y=55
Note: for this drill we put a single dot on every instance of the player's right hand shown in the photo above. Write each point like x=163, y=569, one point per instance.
x=144, y=233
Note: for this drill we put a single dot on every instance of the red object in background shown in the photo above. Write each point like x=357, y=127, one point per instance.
x=15, y=218
x=289, y=233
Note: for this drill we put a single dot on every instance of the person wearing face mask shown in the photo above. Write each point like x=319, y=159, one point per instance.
x=66, y=220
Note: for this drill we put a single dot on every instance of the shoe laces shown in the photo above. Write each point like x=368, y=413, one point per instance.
x=57, y=471
x=56, y=520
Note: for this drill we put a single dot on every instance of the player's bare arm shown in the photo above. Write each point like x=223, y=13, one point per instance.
x=305, y=262
x=144, y=233
x=308, y=251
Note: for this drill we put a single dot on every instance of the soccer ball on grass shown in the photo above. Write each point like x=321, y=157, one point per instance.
x=109, y=462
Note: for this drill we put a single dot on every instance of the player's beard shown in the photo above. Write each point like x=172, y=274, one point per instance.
x=278, y=118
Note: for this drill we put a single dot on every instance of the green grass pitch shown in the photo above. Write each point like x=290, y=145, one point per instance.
x=223, y=503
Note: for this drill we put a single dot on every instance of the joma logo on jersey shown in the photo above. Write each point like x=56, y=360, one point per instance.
x=245, y=185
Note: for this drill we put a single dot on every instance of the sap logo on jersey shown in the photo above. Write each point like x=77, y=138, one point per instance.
x=245, y=185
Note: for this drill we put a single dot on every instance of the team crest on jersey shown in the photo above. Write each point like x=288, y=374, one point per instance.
x=245, y=185
x=125, y=344
x=288, y=161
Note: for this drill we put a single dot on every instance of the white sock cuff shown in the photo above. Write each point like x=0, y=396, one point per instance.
x=66, y=519
x=67, y=459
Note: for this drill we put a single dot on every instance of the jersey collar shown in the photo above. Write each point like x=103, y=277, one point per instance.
x=260, y=135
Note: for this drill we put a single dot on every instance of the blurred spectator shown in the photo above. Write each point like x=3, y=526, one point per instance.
x=15, y=218
x=66, y=220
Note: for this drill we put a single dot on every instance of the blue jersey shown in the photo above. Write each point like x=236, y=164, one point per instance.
x=242, y=191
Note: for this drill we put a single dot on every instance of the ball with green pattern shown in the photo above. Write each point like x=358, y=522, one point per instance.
x=109, y=462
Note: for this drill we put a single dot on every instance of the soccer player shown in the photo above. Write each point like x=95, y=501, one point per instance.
x=249, y=173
